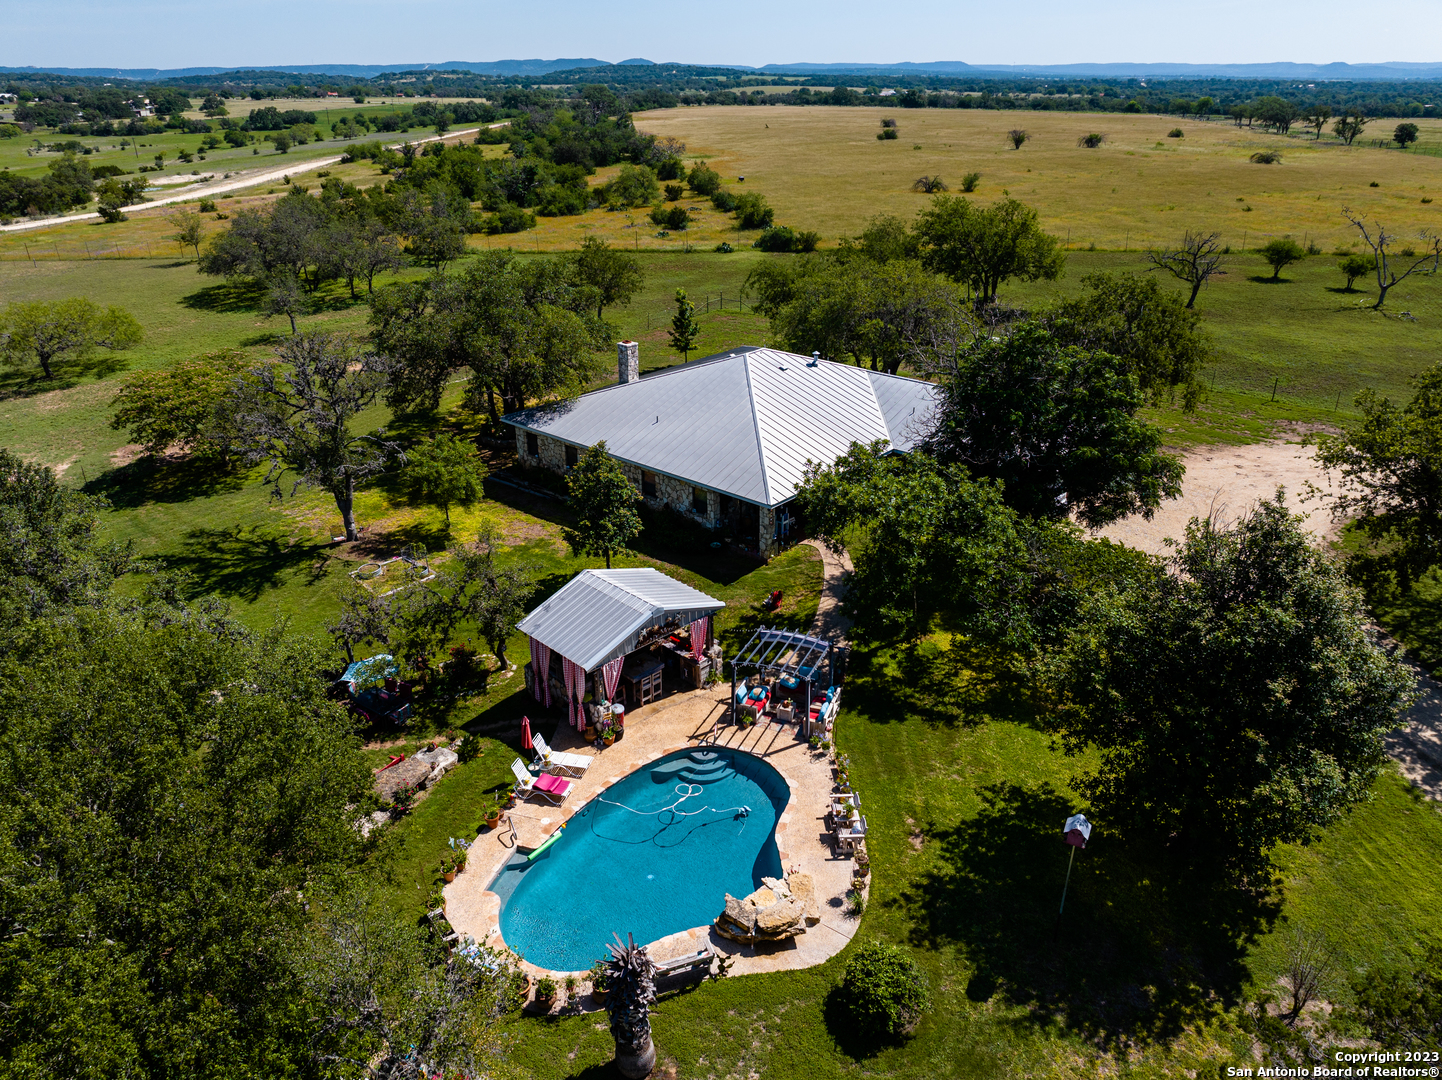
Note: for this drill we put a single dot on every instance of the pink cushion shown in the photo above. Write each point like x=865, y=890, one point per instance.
x=554, y=784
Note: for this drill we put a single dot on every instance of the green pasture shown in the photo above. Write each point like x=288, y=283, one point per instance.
x=22, y=155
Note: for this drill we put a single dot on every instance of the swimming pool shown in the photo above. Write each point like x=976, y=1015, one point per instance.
x=652, y=855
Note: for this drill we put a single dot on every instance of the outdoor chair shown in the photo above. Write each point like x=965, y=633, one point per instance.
x=847, y=839
x=551, y=788
x=557, y=761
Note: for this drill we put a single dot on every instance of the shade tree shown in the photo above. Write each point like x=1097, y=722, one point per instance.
x=984, y=247
x=1280, y=253
x=1055, y=424
x=296, y=417
x=183, y=406
x=1171, y=683
x=615, y=276
x=48, y=332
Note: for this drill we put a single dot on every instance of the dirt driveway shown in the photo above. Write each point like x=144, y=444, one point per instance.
x=1227, y=481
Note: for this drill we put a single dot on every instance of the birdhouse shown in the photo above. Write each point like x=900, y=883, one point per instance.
x=1077, y=830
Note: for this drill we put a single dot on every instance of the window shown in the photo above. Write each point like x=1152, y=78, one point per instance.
x=533, y=444
x=698, y=501
x=648, y=484
x=571, y=457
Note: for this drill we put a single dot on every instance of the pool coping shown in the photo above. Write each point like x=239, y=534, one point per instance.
x=682, y=722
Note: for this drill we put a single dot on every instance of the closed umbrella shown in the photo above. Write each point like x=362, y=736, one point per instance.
x=526, y=743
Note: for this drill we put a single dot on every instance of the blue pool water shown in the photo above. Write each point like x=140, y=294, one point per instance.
x=652, y=855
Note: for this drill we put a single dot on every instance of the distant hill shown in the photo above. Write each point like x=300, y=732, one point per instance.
x=359, y=71
x=1280, y=70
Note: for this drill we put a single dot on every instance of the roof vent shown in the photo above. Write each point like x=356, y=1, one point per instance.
x=815, y=359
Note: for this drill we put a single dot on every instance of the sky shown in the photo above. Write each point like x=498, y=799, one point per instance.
x=202, y=33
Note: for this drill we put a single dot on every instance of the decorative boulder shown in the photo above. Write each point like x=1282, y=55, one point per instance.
x=781, y=909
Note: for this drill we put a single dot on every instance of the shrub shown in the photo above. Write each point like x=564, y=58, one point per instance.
x=1400, y=1007
x=469, y=750
x=673, y=192
x=785, y=238
x=724, y=248
x=704, y=180
x=207, y=206
x=670, y=217
x=884, y=990
x=723, y=200
x=1092, y=140
x=508, y=219
x=635, y=185
x=887, y=133
x=753, y=212
x=1175, y=133
x=931, y=185
x=1266, y=157
x=969, y=181
x=1281, y=253
x=111, y=214
x=888, y=123
x=1374, y=184
x=670, y=168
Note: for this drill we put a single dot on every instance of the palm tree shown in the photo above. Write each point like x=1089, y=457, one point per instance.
x=632, y=979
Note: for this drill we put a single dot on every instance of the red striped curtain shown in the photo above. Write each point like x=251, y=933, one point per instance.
x=541, y=668
x=575, y=679
x=611, y=676
x=698, y=636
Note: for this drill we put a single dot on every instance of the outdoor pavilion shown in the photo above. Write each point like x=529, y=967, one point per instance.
x=787, y=658
x=602, y=621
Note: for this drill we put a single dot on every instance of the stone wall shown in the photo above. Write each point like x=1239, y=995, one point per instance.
x=552, y=456
x=669, y=492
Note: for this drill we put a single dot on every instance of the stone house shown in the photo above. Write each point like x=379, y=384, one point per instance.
x=725, y=440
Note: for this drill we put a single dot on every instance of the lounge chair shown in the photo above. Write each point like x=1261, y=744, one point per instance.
x=551, y=788
x=558, y=761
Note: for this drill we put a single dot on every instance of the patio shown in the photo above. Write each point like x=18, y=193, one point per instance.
x=681, y=721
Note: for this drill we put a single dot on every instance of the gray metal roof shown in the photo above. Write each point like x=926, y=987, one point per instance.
x=744, y=423
x=599, y=614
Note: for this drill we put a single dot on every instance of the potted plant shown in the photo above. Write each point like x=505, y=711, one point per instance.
x=437, y=899
x=863, y=864
x=814, y=742
x=600, y=980
x=608, y=732
x=493, y=815
x=461, y=856
x=546, y=992
x=570, y=984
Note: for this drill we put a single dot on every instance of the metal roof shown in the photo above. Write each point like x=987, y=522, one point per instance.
x=599, y=614
x=743, y=423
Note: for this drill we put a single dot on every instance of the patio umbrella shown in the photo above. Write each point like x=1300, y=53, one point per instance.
x=526, y=743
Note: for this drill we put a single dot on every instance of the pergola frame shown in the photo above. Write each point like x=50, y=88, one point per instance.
x=775, y=652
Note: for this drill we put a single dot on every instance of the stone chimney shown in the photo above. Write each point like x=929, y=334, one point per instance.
x=628, y=362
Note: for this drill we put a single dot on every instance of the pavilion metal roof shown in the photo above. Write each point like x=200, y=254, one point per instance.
x=599, y=614
x=744, y=423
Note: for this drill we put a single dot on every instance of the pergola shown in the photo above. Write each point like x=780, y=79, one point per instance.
x=774, y=653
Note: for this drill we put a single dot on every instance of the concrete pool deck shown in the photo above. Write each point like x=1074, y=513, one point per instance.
x=653, y=731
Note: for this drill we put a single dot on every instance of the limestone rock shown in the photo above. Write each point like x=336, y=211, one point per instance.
x=413, y=770
x=779, y=917
x=774, y=912
x=803, y=891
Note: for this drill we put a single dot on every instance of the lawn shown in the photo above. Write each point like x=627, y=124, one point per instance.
x=965, y=800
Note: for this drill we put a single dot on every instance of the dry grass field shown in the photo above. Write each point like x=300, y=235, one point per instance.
x=823, y=168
